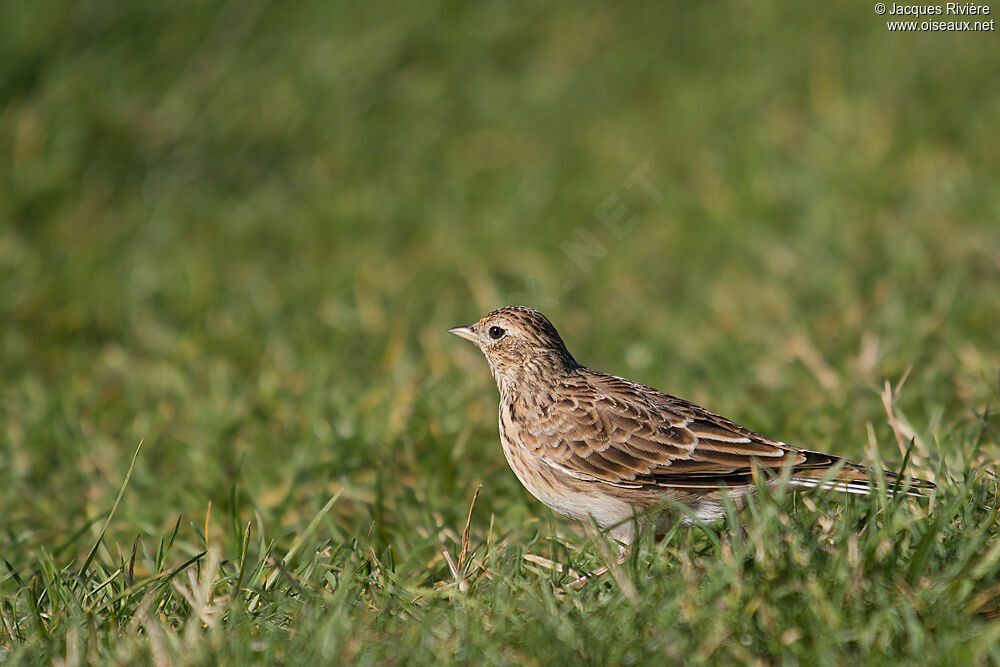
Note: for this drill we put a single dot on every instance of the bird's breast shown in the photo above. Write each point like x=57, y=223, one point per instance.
x=562, y=493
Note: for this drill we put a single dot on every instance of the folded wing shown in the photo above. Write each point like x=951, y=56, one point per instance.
x=607, y=429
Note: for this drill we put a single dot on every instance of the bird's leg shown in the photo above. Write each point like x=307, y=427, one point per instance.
x=622, y=557
x=741, y=532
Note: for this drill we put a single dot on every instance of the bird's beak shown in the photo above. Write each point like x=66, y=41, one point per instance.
x=463, y=332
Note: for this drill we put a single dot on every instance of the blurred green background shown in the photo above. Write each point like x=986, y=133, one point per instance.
x=238, y=231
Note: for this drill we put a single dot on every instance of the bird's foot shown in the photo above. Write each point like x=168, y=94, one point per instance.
x=582, y=581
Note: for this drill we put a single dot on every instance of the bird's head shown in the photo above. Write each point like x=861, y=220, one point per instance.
x=518, y=343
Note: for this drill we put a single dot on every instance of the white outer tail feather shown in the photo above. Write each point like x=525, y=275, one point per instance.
x=860, y=488
x=856, y=487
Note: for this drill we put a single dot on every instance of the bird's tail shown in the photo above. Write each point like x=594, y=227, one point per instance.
x=856, y=479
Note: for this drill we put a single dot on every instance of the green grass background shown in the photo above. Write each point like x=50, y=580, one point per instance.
x=237, y=232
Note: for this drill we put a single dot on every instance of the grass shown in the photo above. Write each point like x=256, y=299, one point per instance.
x=237, y=232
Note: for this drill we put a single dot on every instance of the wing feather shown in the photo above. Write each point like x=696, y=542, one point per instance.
x=611, y=430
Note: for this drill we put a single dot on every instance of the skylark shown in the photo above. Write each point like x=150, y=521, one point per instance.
x=593, y=445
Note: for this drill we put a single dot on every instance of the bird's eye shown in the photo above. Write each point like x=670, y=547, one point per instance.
x=496, y=333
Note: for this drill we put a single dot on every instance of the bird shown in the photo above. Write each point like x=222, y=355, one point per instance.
x=593, y=446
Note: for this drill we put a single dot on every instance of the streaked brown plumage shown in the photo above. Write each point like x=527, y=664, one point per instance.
x=593, y=445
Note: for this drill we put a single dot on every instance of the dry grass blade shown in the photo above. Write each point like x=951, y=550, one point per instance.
x=889, y=397
x=198, y=594
x=911, y=446
x=547, y=563
x=465, y=533
x=460, y=571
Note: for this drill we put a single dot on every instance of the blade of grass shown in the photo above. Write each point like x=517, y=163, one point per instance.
x=302, y=537
x=241, y=575
x=923, y=551
x=160, y=579
x=111, y=514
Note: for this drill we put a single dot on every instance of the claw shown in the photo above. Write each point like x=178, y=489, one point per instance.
x=582, y=581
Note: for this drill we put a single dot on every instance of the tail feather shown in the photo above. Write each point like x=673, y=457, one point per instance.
x=858, y=480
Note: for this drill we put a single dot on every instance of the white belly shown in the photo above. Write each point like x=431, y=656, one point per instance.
x=607, y=511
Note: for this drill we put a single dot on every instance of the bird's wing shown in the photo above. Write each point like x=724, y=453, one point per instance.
x=611, y=430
